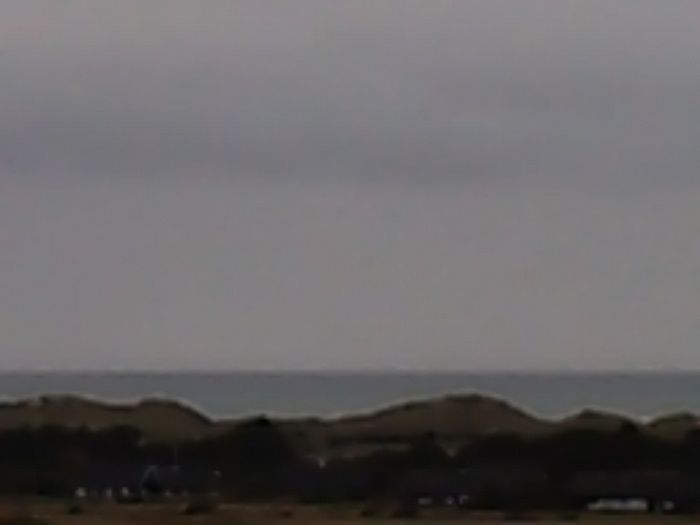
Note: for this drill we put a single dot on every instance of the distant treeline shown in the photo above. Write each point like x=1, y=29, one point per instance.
x=258, y=460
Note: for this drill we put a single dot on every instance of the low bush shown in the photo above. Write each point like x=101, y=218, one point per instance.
x=406, y=511
x=515, y=515
x=200, y=506
x=23, y=519
x=568, y=515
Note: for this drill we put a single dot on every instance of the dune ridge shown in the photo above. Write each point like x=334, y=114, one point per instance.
x=451, y=419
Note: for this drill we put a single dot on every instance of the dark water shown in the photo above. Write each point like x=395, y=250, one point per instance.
x=235, y=394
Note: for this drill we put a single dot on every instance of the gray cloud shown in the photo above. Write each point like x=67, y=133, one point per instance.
x=396, y=91
x=223, y=276
x=314, y=184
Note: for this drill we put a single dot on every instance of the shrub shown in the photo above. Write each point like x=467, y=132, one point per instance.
x=515, y=515
x=369, y=512
x=200, y=506
x=568, y=515
x=406, y=511
x=23, y=519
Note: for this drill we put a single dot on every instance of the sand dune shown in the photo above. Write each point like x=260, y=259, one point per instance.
x=450, y=419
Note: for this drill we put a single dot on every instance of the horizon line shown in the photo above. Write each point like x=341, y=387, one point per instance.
x=353, y=371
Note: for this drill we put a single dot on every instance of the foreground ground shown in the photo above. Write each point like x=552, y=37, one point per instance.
x=55, y=514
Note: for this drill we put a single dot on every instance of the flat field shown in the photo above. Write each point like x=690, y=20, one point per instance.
x=172, y=514
x=55, y=514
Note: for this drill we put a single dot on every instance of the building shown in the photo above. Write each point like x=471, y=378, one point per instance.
x=485, y=486
x=129, y=483
x=640, y=490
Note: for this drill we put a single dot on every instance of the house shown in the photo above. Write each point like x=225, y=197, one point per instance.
x=640, y=490
x=129, y=483
x=435, y=488
x=109, y=482
x=177, y=480
x=479, y=486
x=332, y=482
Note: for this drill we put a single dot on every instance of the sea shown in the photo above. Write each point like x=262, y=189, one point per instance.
x=330, y=394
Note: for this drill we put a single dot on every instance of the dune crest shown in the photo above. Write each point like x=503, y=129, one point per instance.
x=450, y=419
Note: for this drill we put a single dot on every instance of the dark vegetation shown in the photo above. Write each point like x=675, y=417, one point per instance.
x=258, y=461
x=200, y=505
x=23, y=520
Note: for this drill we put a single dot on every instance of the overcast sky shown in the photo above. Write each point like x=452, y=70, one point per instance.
x=403, y=184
